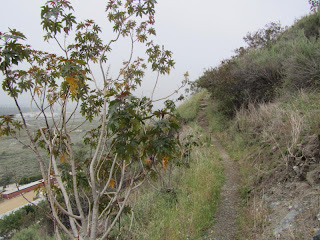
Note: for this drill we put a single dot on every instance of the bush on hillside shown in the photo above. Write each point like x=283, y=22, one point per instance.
x=310, y=25
x=274, y=60
x=264, y=37
x=254, y=77
x=31, y=233
x=302, y=68
x=258, y=75
x=223, y=88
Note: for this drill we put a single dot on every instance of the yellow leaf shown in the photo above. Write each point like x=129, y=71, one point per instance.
x=127, y=3
x=112, y=183
x=164, y=163
x=51, y=101
x=94, y=59
x=148, y=162
x=37, y=90
x=73, y=82
x=63, y=158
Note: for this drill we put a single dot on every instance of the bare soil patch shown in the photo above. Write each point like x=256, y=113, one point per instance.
x=10, y=204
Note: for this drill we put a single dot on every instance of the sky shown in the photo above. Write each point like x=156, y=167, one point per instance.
x=200, y=33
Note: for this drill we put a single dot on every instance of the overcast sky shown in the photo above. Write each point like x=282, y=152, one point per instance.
x=200, y=33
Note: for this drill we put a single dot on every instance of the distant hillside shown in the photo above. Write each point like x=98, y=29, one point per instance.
x=12, y=110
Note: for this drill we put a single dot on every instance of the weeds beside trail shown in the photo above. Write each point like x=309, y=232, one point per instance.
x=186, y=211
x=225, y=224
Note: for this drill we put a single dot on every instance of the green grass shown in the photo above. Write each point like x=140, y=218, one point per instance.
x=189, y=109
x=217, y=120
x=186, y=210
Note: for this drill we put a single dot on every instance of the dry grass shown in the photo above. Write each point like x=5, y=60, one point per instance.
x=269, y=140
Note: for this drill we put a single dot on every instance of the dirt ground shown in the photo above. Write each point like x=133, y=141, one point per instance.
x=10, y=204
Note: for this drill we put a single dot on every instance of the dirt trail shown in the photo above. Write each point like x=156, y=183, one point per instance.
x=225, y=225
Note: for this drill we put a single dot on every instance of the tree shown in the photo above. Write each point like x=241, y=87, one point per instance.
x=262, y=38
x=90, y=195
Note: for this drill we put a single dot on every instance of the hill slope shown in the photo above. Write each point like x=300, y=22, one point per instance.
x=265, y=109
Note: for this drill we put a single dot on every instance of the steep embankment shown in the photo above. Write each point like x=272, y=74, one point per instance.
x=278, y=150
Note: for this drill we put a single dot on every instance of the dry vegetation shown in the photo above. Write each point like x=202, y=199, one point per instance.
x=277, y=146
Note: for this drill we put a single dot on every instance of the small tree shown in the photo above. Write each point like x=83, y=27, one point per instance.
x=263, y=37
x=131, y=137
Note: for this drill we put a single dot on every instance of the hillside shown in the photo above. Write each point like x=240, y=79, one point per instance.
x=265, y=110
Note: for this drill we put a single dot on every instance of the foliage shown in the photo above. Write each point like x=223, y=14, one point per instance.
x=276, y=59
x=31, y=233
x=310, y=25
x=91, y=193
x=302, y=68
x=23, y=218
x=264, y=37
x=26, y=180
x=6, y=179
x=186, y=210
x=221, y=84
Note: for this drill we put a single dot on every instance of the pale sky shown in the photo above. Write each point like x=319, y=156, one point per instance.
x=200, y=33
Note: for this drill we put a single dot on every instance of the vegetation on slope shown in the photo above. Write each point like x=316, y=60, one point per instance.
x=275, y=60
x=266, y=111
x=185, y=209
x=189, y=109
x=277, y=147
x=273, y=133
x=180, y=204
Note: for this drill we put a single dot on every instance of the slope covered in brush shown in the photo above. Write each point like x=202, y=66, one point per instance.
x=276, y=60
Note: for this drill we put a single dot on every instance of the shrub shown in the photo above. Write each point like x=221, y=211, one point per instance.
x=264, y=37
x=253, y=77
x=24, y=218
x=258, y=75
x=223, y=87
x=274, y=61
x=33, y=178
x=310, y=25
x=302, y=68
x=31, y=233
